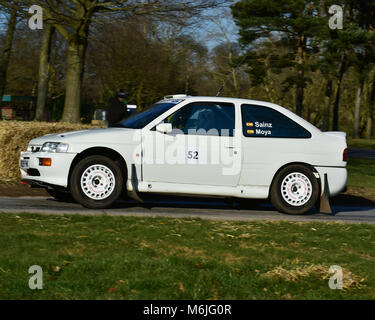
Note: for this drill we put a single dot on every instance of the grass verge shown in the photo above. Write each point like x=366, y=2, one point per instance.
x=361, y=173
x=361, y=180
x=362, y=143
x=108, y=257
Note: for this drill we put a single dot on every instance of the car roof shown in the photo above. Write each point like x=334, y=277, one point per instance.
x=229, y=100
x=277, y=107
x=221, y=99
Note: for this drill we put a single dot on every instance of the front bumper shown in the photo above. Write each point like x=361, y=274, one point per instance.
x=57, y=174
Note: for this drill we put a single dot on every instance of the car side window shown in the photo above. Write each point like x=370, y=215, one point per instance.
x=204, y=118
x=260, y=121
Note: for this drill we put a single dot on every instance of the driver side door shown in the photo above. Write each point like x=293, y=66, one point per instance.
x=200, y=149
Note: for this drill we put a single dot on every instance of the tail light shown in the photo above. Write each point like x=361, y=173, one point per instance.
x=345, y=155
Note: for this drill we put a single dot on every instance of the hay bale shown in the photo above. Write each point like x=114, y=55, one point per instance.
x=15, y=137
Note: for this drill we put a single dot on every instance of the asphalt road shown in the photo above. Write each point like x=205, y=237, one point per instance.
x=343, y=209
x=361, y=153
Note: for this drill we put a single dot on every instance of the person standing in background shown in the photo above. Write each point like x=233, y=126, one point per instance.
x=117, y=109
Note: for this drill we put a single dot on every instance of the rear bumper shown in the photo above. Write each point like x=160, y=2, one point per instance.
x=337, y=179
x=57, y=174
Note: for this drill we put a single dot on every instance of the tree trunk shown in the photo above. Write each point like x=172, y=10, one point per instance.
x=235, y=83
x=299, y=100
x=327, y=104
x=335, y=122
x=372, y=96
x=74, y=76
x=233, y=70
x=139, y=93
x=357, y=111
x=371, y=111
x=300, y=76
x=187, y=83
x=308, y=114
x=44, y=68
x=31, y=104
x=4, y=61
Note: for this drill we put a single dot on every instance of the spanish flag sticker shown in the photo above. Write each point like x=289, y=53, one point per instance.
x=250, y=124
x=250, y=131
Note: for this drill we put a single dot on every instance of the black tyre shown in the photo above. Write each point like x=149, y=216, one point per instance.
x=96, y=182
x=60, y=195
x=295, y=190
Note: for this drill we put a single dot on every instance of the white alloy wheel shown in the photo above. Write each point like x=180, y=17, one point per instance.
x=98, y=182
x=296, y=189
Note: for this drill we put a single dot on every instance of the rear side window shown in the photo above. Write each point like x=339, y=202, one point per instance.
x=259, y=121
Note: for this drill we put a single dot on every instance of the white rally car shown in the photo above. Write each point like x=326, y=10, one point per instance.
x=200, y=146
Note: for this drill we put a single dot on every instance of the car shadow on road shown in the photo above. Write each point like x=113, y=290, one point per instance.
x=151, y=202
x=154, y=203
x=339, y=204
x=347, y=203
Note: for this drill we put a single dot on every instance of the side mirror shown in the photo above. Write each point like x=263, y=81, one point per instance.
x=164, y=127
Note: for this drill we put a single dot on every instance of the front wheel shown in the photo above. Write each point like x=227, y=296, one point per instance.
x=96, y=182
x=295, y=190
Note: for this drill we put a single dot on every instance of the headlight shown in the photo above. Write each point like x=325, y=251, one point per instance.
x=55, y=147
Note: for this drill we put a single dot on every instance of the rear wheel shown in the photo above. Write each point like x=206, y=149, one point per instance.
x=96, y=182
x=295, y=190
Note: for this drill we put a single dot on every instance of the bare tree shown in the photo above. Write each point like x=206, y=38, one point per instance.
x=225, y=33
x=357, y=109
x=73, y=18
x=371, y=110
x=4, y=59
x=44, y=71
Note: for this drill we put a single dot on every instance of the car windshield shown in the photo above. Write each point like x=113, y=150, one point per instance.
x=140, y=120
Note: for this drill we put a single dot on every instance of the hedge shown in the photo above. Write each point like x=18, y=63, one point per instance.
x=15, y=136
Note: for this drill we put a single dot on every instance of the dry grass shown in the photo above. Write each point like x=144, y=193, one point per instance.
x=15, y=136
x=366, y=193
x=349, y=279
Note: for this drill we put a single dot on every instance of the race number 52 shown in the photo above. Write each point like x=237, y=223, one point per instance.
x=193, y=155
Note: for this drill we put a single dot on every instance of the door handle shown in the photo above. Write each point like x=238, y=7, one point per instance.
x=231, y=148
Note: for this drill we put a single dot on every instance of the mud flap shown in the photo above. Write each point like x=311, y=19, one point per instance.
x=134, y=193
x=324, y=205
x=135, y=196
